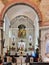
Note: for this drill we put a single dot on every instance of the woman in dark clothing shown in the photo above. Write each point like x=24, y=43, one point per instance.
x=5, y=58
x=27, y=58
x=0, y=60
x=13, y=59
x=36, y=55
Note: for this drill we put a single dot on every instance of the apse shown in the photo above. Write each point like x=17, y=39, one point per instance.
x=21, y=22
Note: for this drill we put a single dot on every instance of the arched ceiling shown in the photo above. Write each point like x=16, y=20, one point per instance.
x=21, y=9
x=22, y=20
x=33, y=3
x=43, y=6
x=17, y=14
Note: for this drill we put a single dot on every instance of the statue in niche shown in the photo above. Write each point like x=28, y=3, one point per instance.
x=21, y=31
x=21, y=45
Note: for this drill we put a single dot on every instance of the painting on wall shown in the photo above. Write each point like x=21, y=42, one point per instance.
x=21, y=31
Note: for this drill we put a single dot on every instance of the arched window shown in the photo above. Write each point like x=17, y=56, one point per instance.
x=21, y=31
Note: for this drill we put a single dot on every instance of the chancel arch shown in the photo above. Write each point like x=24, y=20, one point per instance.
x=24, y=17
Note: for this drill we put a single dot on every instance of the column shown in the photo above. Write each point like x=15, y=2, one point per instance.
x=1, y=36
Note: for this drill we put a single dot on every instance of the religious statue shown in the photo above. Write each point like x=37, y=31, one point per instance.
x=21, y=45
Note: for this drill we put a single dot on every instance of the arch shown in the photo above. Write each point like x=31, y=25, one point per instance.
x=30, y=8
x=33, y=6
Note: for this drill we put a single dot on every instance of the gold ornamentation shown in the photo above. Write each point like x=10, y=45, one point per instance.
x=22, y=33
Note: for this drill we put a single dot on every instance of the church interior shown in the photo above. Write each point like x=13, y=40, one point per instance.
x=24, y=31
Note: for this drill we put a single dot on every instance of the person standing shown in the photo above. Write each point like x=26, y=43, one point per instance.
x=33, y=54
x=0, y=61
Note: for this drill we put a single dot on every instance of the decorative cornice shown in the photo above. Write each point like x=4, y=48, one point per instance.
x=45, y=23
x=44, y=27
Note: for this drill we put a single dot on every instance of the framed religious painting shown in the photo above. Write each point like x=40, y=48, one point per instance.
x=21, y=31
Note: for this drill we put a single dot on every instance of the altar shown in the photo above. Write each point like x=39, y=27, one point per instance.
x=20, y=49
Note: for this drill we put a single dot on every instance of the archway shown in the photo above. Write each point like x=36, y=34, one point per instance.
x=16, y=15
